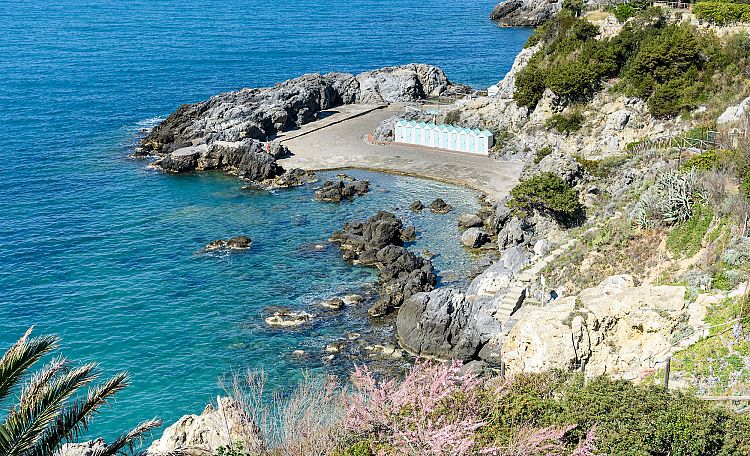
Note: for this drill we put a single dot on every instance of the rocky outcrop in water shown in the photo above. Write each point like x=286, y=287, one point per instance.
x=525, y=13
x=379, y=242
x=233, y=244
x=335, y=192
x=440, y=207
x=226, y=425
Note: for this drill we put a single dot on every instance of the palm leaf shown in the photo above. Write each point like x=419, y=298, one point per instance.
x=129, y=439
x=74, y=420
x=41, y=379
x=26, y=423
x=22, y=355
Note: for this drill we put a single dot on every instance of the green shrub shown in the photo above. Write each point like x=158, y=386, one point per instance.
x=630, y=419
x=666, y=100
x=702, y=162
x=541, y=153
x=600, y=168
x=572, y=81
x=745, y=185
x=686, y=238
x=548, y=193
x=565, y=123
x=453, y=117
x=530, y=87
x=721, y=13
x=623, y=12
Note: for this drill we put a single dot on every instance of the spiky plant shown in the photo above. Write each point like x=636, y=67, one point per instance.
x=670, y=200
x=41, y=411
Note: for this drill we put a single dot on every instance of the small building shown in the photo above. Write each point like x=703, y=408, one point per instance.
x=471, y=140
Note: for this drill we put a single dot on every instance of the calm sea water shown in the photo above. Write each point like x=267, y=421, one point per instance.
x=103, y=252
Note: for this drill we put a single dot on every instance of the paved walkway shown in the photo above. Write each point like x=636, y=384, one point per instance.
x=340, y=144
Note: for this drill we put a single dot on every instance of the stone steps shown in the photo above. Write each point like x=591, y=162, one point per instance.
x=517, y=295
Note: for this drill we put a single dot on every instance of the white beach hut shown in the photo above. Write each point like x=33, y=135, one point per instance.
x=451, y=137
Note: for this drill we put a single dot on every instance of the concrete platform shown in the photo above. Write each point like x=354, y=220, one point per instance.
x=340, y=143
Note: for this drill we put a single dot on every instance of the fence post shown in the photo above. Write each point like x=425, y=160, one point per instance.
x=502, y=370
x=666, y=372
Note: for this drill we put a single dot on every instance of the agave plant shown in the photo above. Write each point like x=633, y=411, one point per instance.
x=670, y=200
x=43, y=410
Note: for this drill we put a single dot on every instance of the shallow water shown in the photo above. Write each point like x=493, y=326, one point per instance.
x=100, y=250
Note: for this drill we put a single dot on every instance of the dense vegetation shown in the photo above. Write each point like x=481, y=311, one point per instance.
x=722, y=13
x=675, y=67
x=548, y=193
x=438, y=410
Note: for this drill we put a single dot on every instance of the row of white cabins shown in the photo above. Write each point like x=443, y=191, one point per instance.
x=471, y=140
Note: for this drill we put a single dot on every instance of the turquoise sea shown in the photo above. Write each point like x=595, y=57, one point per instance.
x=98, y=249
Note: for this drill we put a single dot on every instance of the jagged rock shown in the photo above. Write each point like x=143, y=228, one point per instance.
x=440, y=207
x=516, y=231
x=409, y=233
x=333, y=304
x=224, y=425
x=469, y=221
x=416, y=206
x=444, y=323
x=564, y=166
x=404, y=83
x=615, y=328
x=335, y=192
x=474, y=238
x=525, y=13
x=499, y=276
x=735, y=114
x=90, y=448
x=507, y=86
x=235, y=243
x=379, y=242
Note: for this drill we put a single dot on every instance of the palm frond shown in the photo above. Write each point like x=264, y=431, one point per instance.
x=25, y=424
x=129, y=439
x=41, y=379
x=74, y=420
x=22, y=355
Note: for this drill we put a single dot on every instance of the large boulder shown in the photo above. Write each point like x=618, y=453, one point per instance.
x=222, y=426
x=525, y=13
x=474, y=238
x=735, y=114
x=616, y=328
x=402, y=84
x=499, y=277
x=445, y=324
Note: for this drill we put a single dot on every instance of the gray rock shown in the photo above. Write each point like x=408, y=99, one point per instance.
x=233, y=244
x=335, y=192
x=90, y=448
x=474, y=238
x=541, y=247
x=564, y=166
x=440, y=207
x=446, y=324
x=403, y=84
x=469, y=221
x=516, y=231
x=525, y=13
x=735, y=114
x=416, y=206
x=498, y=277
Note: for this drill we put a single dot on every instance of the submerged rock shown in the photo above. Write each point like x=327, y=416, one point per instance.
x=333, y=304
x=288, y=318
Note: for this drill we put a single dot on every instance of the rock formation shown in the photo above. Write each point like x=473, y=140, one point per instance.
x=379, y=242
x=616, y=328
x=525, y=13
x=335, y=192
x=223, y=426
x=233, y=244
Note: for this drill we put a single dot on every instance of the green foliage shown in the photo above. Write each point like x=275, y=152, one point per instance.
x=530, y=85
x=565, y=123
x=236, y=450
x=572, y=81
x=360, y=448
x=702, y=162
x=600, y=168
x=623, y=12
x=721, y=13
x=745, y=185
x=630, y=419
x=721, y=281
x=45, y=413
x=453, y=117
x=549, y=193
x=686, y=238
x=541, y=153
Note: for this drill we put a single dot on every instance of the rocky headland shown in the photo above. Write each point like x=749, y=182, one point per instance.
x=524, y=13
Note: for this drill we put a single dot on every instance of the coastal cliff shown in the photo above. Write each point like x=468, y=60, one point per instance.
x=524, y=13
